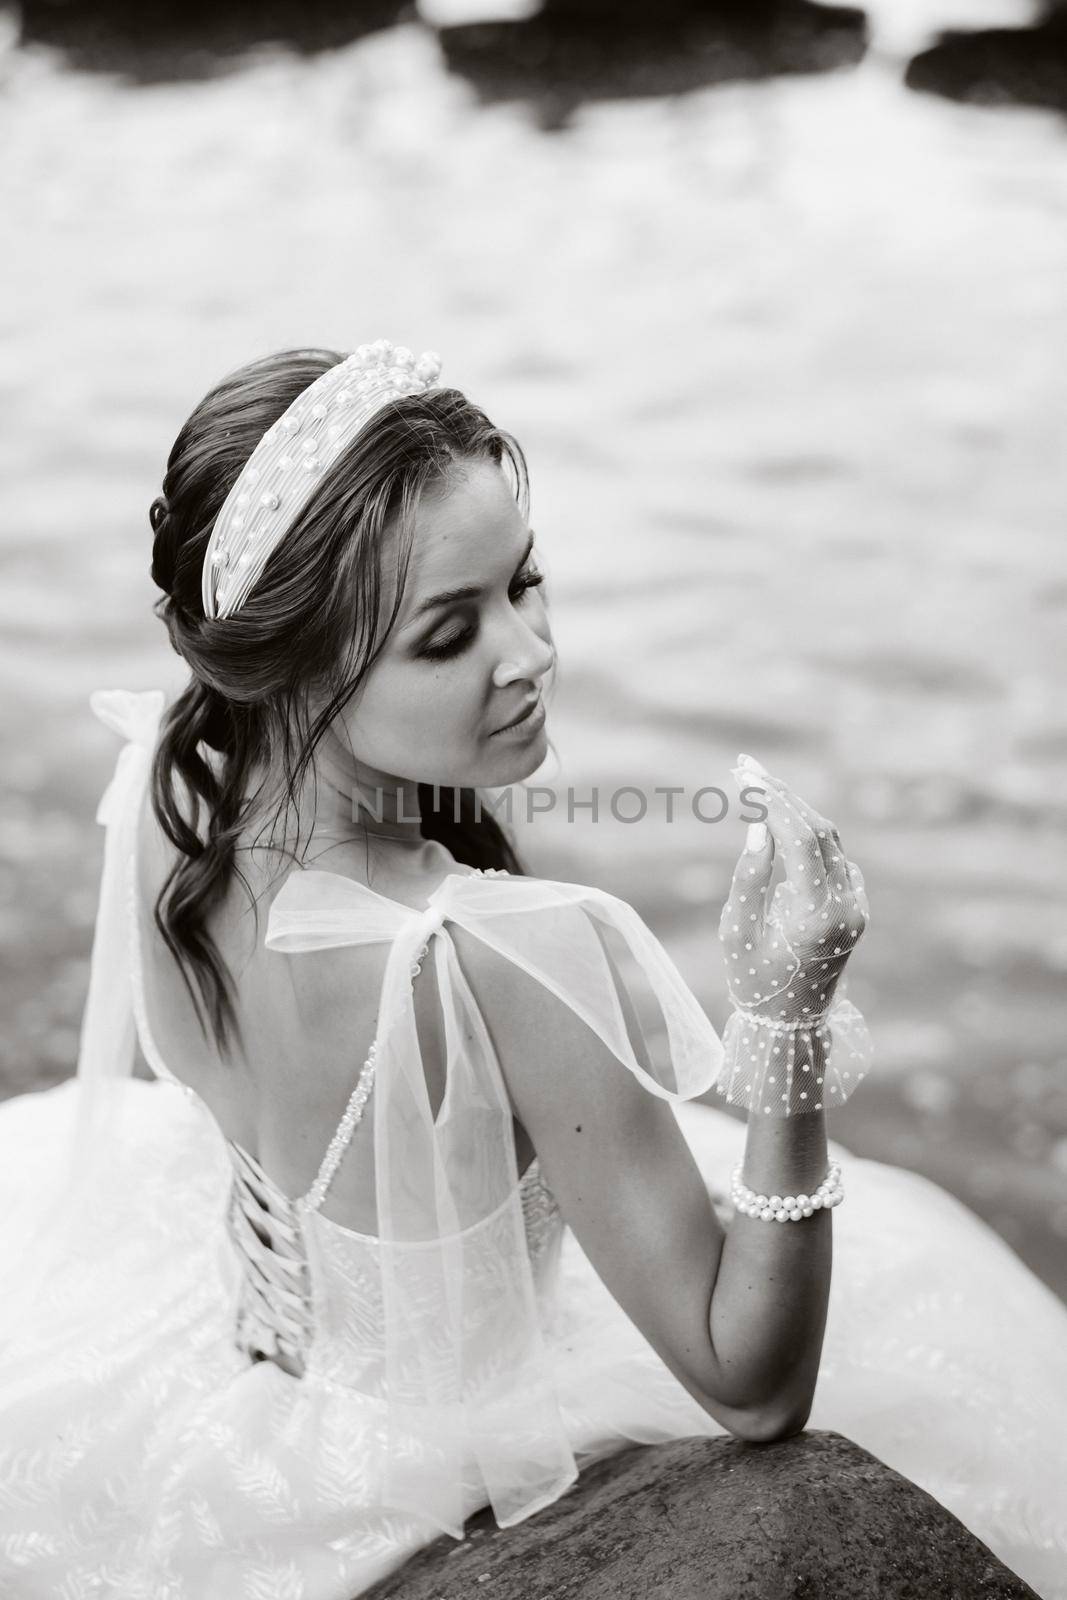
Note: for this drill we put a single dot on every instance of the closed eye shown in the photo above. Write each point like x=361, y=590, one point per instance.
x=529, y=580
x=458, y=642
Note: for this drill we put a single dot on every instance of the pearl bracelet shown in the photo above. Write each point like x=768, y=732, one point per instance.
x=787, y=1208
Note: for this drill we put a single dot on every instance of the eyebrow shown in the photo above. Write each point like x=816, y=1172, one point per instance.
x=469, y=591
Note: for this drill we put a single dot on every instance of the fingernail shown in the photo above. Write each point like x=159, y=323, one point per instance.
x=756, y=837
x=750, y=761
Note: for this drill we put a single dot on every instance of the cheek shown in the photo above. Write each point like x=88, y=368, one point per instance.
x=438, y=697
x=412, y=711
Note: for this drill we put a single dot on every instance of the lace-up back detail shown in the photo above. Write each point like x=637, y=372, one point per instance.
x=274, y=1315
x=310, y=1288
x=309, y=1291
x=310, y=1284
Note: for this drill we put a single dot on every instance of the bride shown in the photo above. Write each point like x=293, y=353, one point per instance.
x=430, y=1200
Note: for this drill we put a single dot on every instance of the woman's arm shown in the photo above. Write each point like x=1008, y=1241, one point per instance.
x=768, y=1310
x=736, y=1315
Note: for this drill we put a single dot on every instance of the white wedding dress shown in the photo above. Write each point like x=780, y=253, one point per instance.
x=468, y=1355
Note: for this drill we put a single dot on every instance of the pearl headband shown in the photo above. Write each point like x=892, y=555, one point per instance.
x=283, y=470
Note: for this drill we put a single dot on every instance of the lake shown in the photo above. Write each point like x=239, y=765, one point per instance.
x=786, y=357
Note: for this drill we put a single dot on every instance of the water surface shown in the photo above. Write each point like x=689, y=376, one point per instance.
x=786, y=358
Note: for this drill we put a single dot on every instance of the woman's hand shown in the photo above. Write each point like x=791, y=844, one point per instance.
x=786, y=952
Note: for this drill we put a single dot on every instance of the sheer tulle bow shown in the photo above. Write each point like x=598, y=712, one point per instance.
x=107, y=1044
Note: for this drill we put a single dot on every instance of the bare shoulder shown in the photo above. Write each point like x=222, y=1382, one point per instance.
x=565, y=1084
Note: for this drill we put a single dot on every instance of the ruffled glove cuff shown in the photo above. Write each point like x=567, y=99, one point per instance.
x=785, y=1068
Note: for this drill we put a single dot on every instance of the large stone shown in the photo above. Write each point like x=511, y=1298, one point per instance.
x=812, y=1517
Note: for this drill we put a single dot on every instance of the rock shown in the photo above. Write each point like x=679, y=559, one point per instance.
x=571, y=52
x=812, y=1517
x=998, y=66
x=163, y=42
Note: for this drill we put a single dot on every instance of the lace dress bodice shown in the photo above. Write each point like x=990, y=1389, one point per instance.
x=309, y=1293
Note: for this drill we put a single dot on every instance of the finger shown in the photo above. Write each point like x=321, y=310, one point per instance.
x=825, y=832
x=859, y=889
x=844, y=875
x=745, y=911
x=835, y=907
x=795, y=839
x=818, y=823
x=833, y=850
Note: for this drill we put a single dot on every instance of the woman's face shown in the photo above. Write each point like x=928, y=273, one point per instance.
x=457, y=668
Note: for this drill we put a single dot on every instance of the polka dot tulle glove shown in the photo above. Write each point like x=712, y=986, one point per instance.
x=793, y=1043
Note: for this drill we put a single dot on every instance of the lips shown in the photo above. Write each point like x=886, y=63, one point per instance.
x=530, y=706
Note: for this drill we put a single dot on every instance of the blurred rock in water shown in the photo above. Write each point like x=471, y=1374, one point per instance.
x=159, y=41
x=575, y=51
x=675, y=1521
x=998, y=66
x=565, y=53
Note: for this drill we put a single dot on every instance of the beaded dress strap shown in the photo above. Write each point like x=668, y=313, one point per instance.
x=353, y=1115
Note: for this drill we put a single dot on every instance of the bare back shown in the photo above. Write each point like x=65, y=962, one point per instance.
x=307, y=1022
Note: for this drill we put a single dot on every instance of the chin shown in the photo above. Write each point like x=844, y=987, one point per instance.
x=495, y=768
x=518, y=764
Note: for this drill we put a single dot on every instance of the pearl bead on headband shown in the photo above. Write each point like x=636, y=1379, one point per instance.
x=284, y=469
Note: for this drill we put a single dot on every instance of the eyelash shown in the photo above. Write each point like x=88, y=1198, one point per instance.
x=453, y=646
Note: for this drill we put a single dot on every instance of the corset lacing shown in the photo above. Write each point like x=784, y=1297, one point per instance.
x=274, y=1319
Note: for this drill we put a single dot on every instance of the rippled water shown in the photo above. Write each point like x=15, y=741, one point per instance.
x=786, y=358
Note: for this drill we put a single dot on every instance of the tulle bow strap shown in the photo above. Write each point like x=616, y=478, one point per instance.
x=50, y=1232
x=108, y=1034
x=136, y=717
x=471, y=1406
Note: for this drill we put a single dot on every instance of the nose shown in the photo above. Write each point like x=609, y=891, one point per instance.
x=527, y=653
